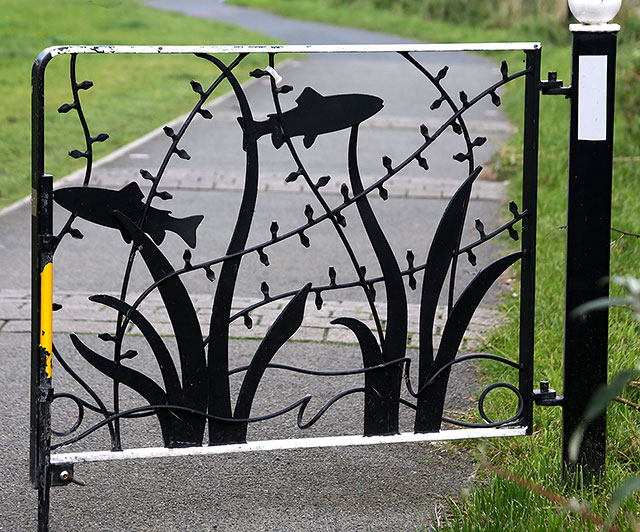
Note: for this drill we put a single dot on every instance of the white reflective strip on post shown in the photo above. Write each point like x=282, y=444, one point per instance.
x=592, y=97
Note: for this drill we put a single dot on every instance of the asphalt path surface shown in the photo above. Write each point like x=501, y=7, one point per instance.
x=387, y=487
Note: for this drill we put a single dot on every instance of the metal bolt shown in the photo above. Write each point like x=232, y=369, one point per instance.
x=66, y=476
x=544, y=386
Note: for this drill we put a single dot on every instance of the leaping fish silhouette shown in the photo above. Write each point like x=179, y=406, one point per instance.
x=98, y=204
x=316, y=114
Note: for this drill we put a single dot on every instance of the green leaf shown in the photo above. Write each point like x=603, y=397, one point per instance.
x=632, y=286
x=607, y=393
x=599, y=304
x=575, y=442
x=627, y=488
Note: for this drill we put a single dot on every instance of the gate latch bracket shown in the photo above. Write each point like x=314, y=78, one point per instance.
x=546, y=396
x=62, y=475
x=553, y=86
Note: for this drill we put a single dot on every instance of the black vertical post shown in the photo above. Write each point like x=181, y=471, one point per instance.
x=588, y=239
x=529, y=201
x=41, y=299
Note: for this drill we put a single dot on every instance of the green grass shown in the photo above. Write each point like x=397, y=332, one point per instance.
x=495, y=503
x=421, y=27
x=130, y=93
x=537, y=459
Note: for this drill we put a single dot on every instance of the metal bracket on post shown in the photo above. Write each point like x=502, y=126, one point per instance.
x=553, y=86
x=62, y=475
x=545, y=396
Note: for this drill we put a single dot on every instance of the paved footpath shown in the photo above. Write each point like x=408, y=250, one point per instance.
x=391, y=488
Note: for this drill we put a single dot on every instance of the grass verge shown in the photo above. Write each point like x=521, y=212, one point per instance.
x=130, y=93
x=496, y=503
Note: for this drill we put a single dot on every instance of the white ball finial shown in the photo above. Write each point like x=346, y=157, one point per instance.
x=595, y=11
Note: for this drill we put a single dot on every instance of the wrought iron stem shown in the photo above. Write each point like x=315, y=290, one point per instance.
x=328, y=211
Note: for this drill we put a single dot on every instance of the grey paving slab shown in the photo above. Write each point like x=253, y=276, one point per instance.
x=428, y=187
x=80, y=316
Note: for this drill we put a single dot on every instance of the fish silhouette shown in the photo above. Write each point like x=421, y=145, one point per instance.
x=97, y=205
x=316, y=114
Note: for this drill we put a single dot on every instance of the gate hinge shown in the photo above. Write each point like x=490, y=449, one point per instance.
x=553, y=86
x=546, y=396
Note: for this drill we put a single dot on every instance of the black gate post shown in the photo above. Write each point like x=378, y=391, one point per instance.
x=588, y=228
x=41, y=300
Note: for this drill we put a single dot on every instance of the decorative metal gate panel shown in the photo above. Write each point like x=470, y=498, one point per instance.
x=172, y=367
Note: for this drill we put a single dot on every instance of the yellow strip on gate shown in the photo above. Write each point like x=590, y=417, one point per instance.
x=46, y=314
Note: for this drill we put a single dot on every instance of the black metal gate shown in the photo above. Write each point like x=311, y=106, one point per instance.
x=177, y=358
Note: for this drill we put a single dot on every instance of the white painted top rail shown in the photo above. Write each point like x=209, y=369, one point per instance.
x=292, y=48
